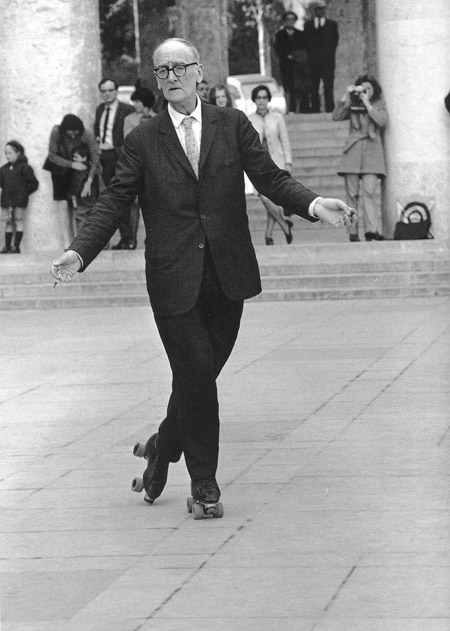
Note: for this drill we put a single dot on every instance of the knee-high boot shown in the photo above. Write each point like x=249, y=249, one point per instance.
x=8, y=239
x=16, y=247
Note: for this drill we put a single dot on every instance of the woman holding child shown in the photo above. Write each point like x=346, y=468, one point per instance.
x=65, y=141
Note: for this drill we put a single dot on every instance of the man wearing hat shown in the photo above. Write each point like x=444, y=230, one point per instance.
x=322, y=39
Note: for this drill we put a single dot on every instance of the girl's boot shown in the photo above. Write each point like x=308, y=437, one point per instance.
x=18, y=238
x=8, y=239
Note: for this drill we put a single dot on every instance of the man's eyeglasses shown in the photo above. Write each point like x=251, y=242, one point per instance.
x=162, y=72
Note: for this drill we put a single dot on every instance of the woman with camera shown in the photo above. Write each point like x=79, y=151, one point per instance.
x=363, y=160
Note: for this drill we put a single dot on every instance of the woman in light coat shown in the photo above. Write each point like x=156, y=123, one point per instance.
x=273, y=134
x=363, y=162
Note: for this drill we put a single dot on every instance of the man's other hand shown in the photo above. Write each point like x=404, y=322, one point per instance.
x=335, y=212
x=65, y=266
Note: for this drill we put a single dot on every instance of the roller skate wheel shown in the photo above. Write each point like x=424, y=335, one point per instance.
x=190, y=504
x=137, y=485
x=197, y=511
x=139, y=450
x=219, y=510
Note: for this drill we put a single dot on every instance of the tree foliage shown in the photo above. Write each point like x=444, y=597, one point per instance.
x=243, y=31
x=118, y=38
x=118, y=35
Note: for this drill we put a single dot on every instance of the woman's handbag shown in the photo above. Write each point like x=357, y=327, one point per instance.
x=414, y=222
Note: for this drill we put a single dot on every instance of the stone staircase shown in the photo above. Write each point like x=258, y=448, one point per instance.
x=320, y=263
x=305, y=271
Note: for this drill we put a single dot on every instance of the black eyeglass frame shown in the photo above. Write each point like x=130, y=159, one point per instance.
x=179, y=70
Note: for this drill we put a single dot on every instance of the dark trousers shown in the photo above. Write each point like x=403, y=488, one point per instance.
x=198, y=344
x=322, y=69
x=108, y=160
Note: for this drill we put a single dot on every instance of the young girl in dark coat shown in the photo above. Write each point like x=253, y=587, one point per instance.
x=17, y=181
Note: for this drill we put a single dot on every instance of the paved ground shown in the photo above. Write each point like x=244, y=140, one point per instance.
x=334, y=471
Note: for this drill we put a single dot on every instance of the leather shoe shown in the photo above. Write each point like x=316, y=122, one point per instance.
x=354, y=237
x=373, y=236
x=121, y=245
x=206, y=491
x=269, y=241
x=155, y=475
x=288, y=234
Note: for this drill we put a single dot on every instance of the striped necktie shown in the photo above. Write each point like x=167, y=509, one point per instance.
x=191, y=145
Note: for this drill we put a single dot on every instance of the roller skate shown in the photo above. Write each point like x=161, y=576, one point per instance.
x=155, y=475
x=205, y=499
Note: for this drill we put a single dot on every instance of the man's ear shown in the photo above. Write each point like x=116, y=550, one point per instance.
x=200, y=73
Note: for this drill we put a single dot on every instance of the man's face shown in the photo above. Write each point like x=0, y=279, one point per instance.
x=319, y=11
x=108, y=92
x=179, y=91
x=202, y=91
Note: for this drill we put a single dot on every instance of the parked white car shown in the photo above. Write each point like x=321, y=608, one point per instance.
x=241, y=87
x=124, y=93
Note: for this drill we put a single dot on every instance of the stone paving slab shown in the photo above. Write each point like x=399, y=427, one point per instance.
x=334, y=470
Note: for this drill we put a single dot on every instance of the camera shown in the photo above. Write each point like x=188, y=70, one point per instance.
x=356, y=105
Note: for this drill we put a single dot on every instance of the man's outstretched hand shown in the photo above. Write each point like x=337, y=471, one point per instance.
x=65, y=266
x=335, y=212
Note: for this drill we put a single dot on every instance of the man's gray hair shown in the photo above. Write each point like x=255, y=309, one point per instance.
x=185, y=42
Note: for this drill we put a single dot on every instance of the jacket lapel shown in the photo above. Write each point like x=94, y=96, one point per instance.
x=170, y=139
x=209, y=126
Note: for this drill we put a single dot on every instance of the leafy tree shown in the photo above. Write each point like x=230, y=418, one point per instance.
x=243, y=31
x=118, y=37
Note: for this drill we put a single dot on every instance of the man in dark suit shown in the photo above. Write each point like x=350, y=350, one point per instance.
x=187, y=166
x=108, y=129
x=290, y=46
x=322, y=38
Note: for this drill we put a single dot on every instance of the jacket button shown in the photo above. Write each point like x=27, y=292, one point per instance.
x=201, y=246
x=202, y=216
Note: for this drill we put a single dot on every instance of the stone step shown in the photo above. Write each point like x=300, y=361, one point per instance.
x=278, y=294
x=273, y=280
x=321, y=153
x=322, y=164
x=122, y=278
x=424, y=291
x=298, y=272
x=302, y=142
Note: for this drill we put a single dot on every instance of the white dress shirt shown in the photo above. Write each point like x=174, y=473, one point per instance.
x=178, y=118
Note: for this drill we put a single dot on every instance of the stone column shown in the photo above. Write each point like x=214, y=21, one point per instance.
x=50, y=66
x=204, y=23
x=414, y=63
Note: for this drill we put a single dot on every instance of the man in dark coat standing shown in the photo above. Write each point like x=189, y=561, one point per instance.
x=322, y=38
x=290, y=46
x=108, y=129
x=187, y=166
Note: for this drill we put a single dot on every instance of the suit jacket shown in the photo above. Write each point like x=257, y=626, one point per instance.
x=182, y=213
x=121, y=113
x=322, y=42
